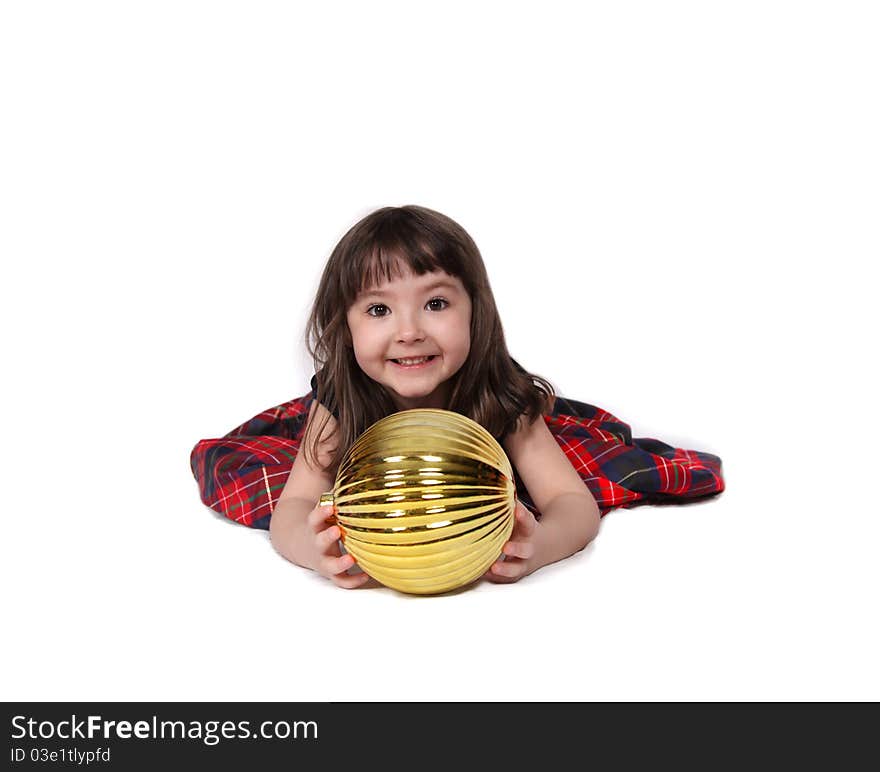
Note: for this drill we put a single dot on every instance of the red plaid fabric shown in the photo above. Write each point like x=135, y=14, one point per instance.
x=241, y=474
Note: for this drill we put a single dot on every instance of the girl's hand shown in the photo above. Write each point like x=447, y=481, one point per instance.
x=517, y=559
x=327, y=557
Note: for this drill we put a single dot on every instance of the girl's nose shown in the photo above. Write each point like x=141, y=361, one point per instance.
x=410, y=334
x=409, y=329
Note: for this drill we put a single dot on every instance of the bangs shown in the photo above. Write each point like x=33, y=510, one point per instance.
x=389, y=251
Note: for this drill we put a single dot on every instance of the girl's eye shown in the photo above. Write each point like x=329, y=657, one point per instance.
x=380, y=309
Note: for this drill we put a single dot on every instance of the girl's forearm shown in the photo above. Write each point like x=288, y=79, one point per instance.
x=287, y=530
x=569, y=523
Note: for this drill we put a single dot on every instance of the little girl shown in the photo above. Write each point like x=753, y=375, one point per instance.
x=404, y=317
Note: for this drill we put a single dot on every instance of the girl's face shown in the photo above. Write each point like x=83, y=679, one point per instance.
x=412, y=317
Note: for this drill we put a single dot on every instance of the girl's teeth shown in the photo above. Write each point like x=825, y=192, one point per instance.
x=412, y=361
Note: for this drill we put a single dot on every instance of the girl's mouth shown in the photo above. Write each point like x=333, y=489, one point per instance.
x=414, y=363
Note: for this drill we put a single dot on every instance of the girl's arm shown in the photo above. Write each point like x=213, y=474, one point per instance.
x=298, y=528
x=570, y=515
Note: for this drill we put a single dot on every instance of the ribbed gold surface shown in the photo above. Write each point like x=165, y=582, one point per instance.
x=424, y=499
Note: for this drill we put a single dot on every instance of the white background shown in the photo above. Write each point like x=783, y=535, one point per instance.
x=677, y=205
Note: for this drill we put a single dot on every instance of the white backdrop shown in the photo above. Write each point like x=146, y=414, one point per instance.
x=677, y=205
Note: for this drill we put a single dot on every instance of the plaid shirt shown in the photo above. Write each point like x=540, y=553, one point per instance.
x=241, y=474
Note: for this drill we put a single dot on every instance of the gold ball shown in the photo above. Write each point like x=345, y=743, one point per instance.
x=424, y=500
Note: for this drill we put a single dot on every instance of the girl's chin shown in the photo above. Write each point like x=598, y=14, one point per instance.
x=409, y=398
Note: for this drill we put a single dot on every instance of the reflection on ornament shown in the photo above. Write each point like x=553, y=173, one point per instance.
x=424, y=500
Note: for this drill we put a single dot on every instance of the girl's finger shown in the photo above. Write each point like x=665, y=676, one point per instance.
x=328, y=537
x=519, y=549
x=334, y=566
x=350, y=581
x=490, y=576
x=507, y=568
x=317, y=518
x=526, y=520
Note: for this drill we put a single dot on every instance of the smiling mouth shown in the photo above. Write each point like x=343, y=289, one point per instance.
x=414, y=361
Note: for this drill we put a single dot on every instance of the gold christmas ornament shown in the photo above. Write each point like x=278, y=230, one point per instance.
x=424, y=500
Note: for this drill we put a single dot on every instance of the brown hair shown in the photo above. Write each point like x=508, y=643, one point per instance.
x=487, y=388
